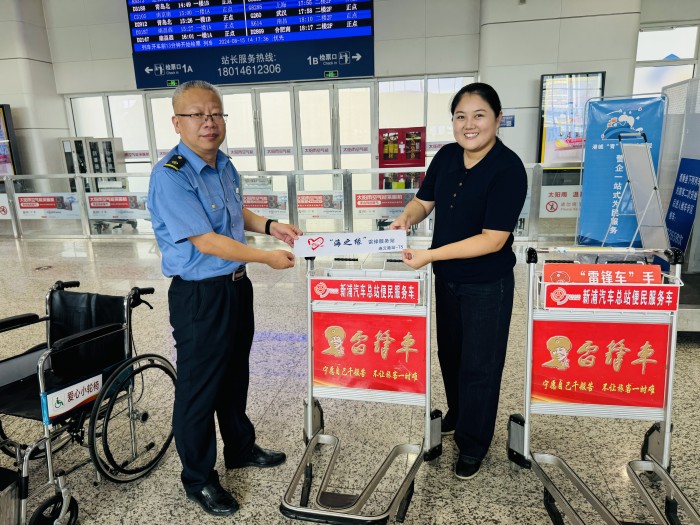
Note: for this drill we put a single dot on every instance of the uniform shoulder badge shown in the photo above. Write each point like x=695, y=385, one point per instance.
x=176, y=162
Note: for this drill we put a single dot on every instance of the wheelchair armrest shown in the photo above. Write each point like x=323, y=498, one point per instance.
x=18, y=321
x=86, y=336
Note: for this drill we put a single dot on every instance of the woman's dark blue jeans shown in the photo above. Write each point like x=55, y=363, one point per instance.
x=473, y=321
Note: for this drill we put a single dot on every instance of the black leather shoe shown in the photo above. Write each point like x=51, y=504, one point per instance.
x=215, y=500
x=260, y=457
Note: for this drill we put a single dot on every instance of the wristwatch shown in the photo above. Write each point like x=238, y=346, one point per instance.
x=267, y=225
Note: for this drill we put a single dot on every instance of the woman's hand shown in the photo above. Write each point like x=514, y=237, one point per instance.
x=417, y=258
x=401, y=223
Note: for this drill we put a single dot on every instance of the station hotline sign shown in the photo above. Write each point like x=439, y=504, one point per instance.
x=250, y=41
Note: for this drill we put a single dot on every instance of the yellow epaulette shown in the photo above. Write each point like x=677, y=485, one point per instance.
x=176, y=162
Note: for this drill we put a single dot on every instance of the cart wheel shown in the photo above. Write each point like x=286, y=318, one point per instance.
x=131, y=422
x=405, y=502
x=654, y=429
x=551, y=508
x=47, y=513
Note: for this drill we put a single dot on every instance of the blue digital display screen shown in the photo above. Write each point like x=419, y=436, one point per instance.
x=250, y=41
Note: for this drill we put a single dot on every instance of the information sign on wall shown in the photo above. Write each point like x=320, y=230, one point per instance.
x=244, y=41
x=560, y=202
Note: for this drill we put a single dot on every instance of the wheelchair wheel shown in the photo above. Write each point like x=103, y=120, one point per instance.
x=49, y=510
x=131, y=422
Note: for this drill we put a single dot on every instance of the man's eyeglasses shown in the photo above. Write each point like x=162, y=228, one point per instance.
x=203, y=117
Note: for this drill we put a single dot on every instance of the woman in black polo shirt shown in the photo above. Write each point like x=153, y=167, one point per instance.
x=477, y=188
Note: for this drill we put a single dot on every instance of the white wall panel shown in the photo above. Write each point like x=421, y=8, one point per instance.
x=22, y=40
x=522, y=138
x=106, y=12
x=109, y=41
x=451, y=53
x=519, y=43
x=39, y=150
x=517, y=86
x=66, y=13
x=399, y=19
x=659, y=11
x=26, y=76
x=497, y=11
x=452, y=17
x=36, y=111
x=573, y=8
x=591, y=38
x=69, y=44
x=399, y=57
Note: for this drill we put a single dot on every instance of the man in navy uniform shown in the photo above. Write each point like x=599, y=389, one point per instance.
x=199, y=220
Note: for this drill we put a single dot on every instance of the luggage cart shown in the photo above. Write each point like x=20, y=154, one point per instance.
x=369, y=340
x=620, y=326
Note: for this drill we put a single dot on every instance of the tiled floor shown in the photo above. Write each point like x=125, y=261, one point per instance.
x=598, y=449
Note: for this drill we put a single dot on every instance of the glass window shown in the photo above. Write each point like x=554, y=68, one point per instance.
x=166, y=138
x=278, y=135
x=401, y=103
x=440, y=93
x=240, y=131
x=652, y=79
x=129, y=123
x=667, y=44
x=89, y=117
x=315, y=128
x=355, y=127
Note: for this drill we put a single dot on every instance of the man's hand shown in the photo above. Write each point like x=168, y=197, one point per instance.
x=401, y=223
x=280, y=259
x=287, y=233
x=417, y=258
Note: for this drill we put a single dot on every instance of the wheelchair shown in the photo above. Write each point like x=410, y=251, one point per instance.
x=85, y=384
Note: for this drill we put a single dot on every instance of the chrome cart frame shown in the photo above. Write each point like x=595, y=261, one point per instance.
x=335, y=508
x=656, y=450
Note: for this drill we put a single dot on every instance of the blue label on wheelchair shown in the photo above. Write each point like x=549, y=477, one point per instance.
x=59, y=402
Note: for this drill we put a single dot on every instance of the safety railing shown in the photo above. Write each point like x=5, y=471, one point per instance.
x=67, y=205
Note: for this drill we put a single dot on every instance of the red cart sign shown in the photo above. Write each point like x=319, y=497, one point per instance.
x=601, y=273
x=621, y=364
x=368, y=351
x=612, y=297
x=365, y=291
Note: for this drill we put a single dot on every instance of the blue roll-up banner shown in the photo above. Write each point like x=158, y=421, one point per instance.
x=684, y=200
x=604, y=175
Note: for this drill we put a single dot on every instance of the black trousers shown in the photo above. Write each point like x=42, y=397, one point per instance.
x=472, y=322
x=213, y=327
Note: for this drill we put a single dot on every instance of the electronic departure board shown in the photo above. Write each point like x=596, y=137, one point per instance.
x=243, y=41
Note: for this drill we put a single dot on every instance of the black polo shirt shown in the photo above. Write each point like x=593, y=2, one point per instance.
x=488, y=196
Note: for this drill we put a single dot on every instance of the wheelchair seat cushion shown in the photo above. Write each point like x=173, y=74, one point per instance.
x=21, y=399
